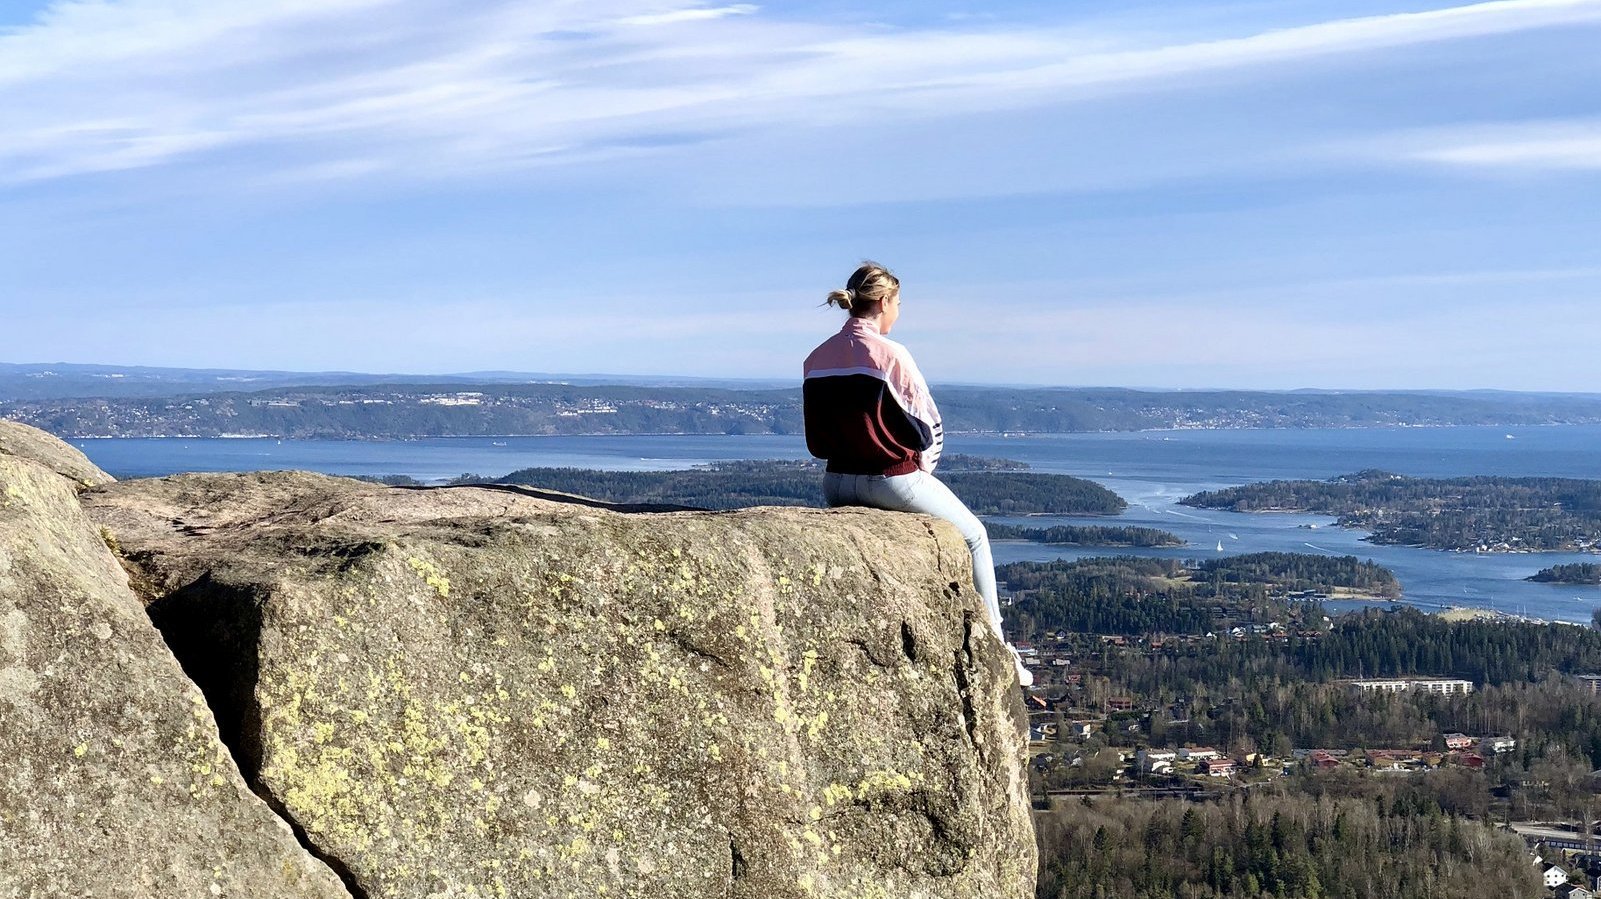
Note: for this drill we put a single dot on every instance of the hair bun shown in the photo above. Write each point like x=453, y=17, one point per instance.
x=842, y=298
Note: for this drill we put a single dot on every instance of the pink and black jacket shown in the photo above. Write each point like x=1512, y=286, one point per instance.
x=867, y=407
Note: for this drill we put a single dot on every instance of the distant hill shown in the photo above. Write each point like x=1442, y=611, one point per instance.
x=98, y=401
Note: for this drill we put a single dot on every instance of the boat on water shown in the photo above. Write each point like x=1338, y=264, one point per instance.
x=1220, y=546
x=497, y=443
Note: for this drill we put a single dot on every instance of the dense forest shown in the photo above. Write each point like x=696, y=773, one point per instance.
x=1132, y=595
x=1474, y=513
x=1374, y=643
x=1579, y=573
x=1086, y=535
x=1265, y=845
x=729, y=485
x=1275, y=694
x=147, y=403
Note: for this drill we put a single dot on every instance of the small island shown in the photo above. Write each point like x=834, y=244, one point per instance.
x=987, y=486
x=1582, y=573
x=1086, y=535
x=1132, y=595
x=1470, y=514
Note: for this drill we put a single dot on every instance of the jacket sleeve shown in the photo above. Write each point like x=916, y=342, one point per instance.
x=911, y=390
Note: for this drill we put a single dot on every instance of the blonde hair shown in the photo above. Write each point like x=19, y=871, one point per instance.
x=866, y=290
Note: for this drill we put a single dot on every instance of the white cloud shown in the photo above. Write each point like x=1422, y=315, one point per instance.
x=1542, y=145
x=693, y=14
x=1561, y=147
x=326, y=88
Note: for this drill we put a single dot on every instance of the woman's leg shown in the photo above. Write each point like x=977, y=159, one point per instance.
x=921, y=492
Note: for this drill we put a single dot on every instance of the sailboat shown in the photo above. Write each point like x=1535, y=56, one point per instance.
x=1220, y=546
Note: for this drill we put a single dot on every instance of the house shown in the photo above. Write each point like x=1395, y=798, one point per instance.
x=1077, y=730
x=1497, y=745
x=1217, y=767
x=1555, y=876
x=1198, y=753
x=1391, y=759
x=1120, y=703
x=1473, y=760
x=1574, y=891
x=1458, y=741
x=1155, y=761
x=1322, y=759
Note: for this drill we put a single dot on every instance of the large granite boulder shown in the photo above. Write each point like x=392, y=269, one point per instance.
x=24, y=442
x=113, y=782
x=474, y=692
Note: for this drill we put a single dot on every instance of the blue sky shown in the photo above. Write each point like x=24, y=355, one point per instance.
x=1358, y=194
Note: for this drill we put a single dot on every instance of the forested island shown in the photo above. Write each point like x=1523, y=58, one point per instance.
x=1581, y=573
x=1130, y=595
x=1086, y=535
x=987, y=486
x=142, y=403
x=1474, y=514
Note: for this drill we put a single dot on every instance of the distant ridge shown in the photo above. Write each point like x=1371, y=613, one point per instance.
x=63, y=380
x=109, y=401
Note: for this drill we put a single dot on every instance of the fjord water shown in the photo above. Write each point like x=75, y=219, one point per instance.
x=1150, y=469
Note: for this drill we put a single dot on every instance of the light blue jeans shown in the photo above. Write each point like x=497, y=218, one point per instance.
x=922, y=492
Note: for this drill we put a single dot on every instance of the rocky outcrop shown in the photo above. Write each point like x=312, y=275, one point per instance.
x=476, y=692
x=22, y=442
x=113, y=782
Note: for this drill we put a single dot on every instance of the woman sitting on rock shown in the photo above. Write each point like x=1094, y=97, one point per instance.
x=869, y=414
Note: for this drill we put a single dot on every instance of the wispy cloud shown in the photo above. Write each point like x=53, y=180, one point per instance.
x=692, y=14
x=1526, y=147
x=1541, y=146
x=308, y=88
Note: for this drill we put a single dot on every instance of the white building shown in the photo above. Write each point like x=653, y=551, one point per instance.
x=1498, y=744
x=1155, y=761
x=1416, y=685
x=1555, y=877
x=1198, y=754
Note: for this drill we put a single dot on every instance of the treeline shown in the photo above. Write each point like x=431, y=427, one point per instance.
x=1274, y=846
x=1496, y=513
x=1375, y=643
x=1086, y=535
x=1303, y=572
x=1132, y=595
x=100, y=405
x=1116, y=595
x=1578, y=573
x=738, y=484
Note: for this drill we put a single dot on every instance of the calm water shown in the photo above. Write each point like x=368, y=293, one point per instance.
x=1152, y=470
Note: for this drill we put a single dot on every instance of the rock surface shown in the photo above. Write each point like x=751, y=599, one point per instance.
x=113, y=782
x=24, y=442
x=471, y=692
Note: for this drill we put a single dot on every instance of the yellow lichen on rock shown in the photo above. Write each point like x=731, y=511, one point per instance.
x=611, y=705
